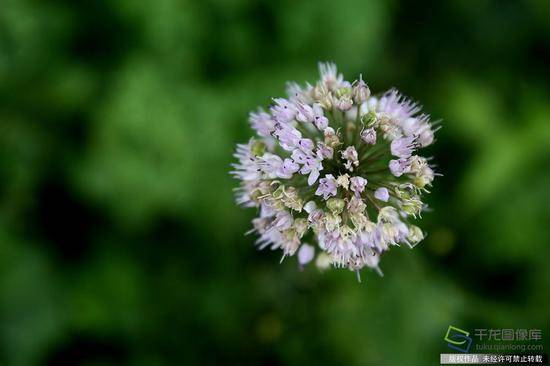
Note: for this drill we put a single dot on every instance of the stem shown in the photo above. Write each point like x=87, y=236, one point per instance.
x=357, y=121
x=372, y=201
x=376, y=171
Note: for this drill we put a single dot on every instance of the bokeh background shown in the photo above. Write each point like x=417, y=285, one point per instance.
x=120, y=243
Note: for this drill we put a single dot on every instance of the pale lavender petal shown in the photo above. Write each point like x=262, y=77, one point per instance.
x=403, y=147
x=305, y=254
x=358, y=184
x=382, y=194
x=313, y=175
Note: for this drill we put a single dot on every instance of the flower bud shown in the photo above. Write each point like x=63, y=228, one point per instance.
x=369, y=136
x=343, y=181
x=323, y=261
x=382, y=194
x=305, y=254
x=310, y=206
x=426, y=177
x=415, y=234
x=258, y=148
x=331, y=138
x=361, y=91
x=336, y=205
x=344, y=103
x=343, y=92
x=421, y=181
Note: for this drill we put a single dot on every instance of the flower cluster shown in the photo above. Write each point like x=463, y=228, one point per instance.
x=336, y=166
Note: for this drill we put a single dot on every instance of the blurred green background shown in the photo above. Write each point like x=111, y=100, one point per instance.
x=120, y=243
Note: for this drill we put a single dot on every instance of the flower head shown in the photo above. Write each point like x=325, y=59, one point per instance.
x=340, y=163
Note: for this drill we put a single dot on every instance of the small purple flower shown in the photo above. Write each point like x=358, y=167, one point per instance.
x=327, y=187
x=311, y=163
x=283, y=220
x=356, y=205
x=313, y=175
x=321, y=122
x=284, y=111
x=402, y=231
x=306, y=145
x=287, y=135
x=397, y=106
x=382, y=194
x=350, y=155
x=358, y=184
x=287, y=169
x=262, y=122
x=270, y=164
x=299, y=156
x=369, y=136
x=426, y=137
x=399, y=167
x=305, y=113
x=311, y=166
x=410, y=126
x=330, y=76
x=403, y=147
x=325, y=151
x=315, y=216
x=344, y=103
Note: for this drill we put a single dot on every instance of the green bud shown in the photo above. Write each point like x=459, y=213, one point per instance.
x=420, y=181
x=342, y=92
x=415, y=234
x=369, y=119
x=258, y=148
x=323, y=261
x=336, y=205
